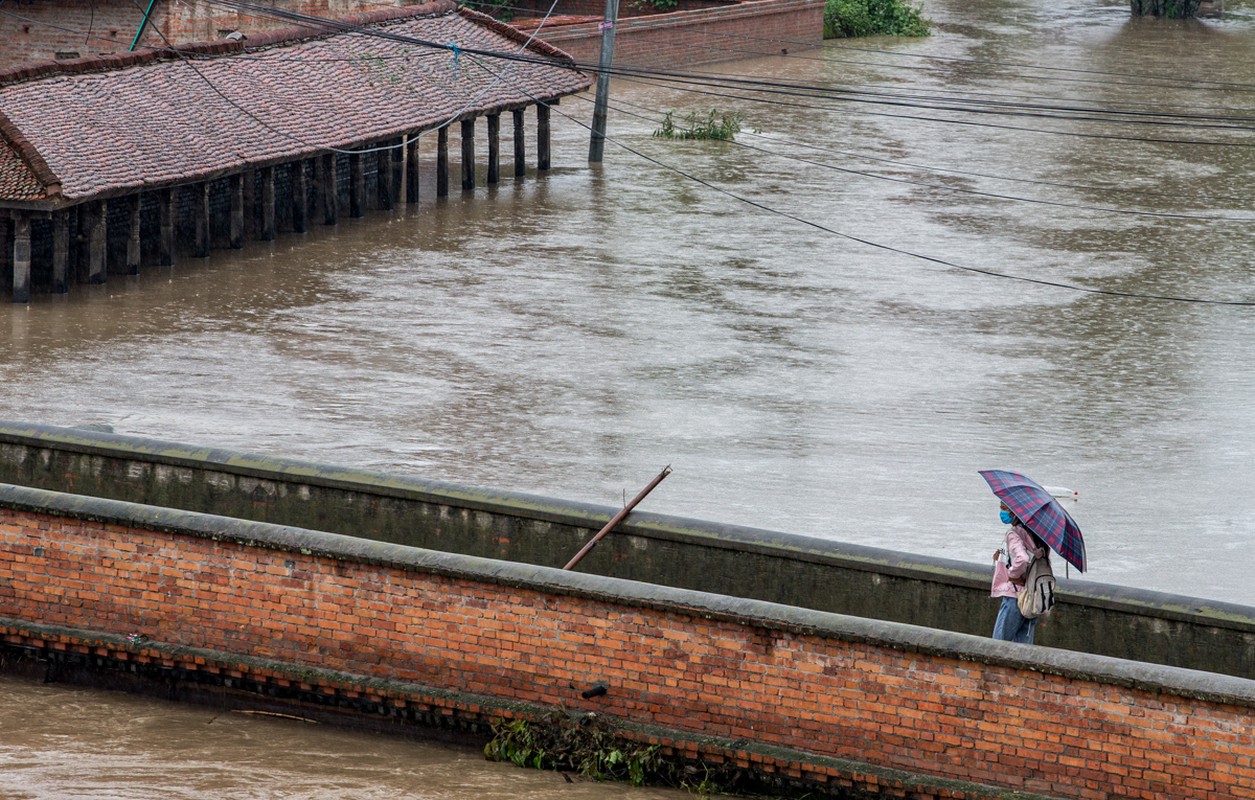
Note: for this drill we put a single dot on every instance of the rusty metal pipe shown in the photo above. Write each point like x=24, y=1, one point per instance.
x=618, y=517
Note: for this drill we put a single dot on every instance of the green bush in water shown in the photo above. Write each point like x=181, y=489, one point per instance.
x=851, y=18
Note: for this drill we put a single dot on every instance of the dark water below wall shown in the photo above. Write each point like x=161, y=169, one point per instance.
x=59, y=742
x=569, y=336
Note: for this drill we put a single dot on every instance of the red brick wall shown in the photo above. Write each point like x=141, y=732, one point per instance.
x=683, y=38
x=96, y=27
x=831, y=686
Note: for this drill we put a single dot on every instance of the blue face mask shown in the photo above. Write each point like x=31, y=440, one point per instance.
x=1005, y=516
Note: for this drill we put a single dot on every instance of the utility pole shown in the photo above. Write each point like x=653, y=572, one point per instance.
x=597, y=142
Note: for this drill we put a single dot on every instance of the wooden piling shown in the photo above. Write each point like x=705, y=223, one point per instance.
x=494, y=149
x=300, y=197
x=267, y=232
x=357, y=186
x=520, y=151
x=201, y=228
x=468, y=154
x=165, y=222
x=383, y=178
x=411, y=169
x=285, y=204
x=21, y=257
x=133, y=234
x=235, y=234
x=542, y=137
x=329, y=189
x=97, y=241
x=60, y=251
x=442, y=162
x=398, y=170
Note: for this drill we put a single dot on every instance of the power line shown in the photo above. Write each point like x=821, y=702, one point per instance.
x=902, y=251
x=1215, y=122
x=621, y=104
x=837, y=94
x=956, y=189
x=1034, y=71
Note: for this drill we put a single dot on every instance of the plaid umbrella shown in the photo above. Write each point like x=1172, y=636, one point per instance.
x=1039, y=512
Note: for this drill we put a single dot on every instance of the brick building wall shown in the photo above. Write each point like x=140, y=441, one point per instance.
x=700, y=36
x=40, y=30
x=950, y=706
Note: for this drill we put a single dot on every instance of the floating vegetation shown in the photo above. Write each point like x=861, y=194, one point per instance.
x=590, y=746
x=713, y=125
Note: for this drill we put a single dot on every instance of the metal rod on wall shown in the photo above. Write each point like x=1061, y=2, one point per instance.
x=618, y=517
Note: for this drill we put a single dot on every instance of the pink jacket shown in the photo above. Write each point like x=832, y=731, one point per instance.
x=1009, y=580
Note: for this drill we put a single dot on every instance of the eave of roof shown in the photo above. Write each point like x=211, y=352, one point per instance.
x=97, y=127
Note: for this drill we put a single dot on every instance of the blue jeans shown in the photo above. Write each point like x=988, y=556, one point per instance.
x=1011, y=625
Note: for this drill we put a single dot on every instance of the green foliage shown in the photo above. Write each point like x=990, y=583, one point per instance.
x=656, y=5
x=579, y=744
x=588, y=745
x=851, y=18
x=695, y=126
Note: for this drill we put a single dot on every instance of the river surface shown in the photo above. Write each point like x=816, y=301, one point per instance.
x=804, y=324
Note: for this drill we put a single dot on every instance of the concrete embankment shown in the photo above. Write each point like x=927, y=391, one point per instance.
x=690, y=554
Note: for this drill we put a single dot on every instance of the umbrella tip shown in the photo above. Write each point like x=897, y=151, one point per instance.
x=1063, y=493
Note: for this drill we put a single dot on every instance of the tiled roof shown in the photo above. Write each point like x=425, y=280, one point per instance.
x=165, y=120
x=17, y=182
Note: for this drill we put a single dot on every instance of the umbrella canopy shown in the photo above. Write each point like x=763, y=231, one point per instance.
x=1040, y=512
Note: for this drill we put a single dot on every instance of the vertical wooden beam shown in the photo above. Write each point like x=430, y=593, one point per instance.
x=235, y=234
x=442, y=162
x=357, y=186
x=267, y=232
x=411, y=169
x=542, y=137
x=300, y=198
x=251, y=209
x=468, y=154
x=520, y=152
x=330, y=190
x=165, y=221
x=398, y=170
x=317, y=209
x=494, y=149
x=21, y=257
x=60, y=251
x=200, y=204
x=97, y=242
x=283, y=205
x=383, y=178
x=132, y=238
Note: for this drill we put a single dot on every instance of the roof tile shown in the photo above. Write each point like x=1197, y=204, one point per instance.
x=181, y=120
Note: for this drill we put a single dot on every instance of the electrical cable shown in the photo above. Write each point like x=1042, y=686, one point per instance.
x=952, y=189
x=1063, y=113
x=655, y=81
x=1034, y=71
x=319, y=24
x=656, y=113
x=897, y=250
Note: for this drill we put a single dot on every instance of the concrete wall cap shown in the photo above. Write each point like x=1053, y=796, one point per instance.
x=1172, y=680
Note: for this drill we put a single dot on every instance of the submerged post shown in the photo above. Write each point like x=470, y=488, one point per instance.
x=60, y=251
x=597, y=142
x=618, y=517
x=520, y=152
x=21, y=257
x=411, y=169
x=1168, y=9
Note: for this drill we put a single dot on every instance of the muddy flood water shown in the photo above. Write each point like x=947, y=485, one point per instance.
x=826, y=328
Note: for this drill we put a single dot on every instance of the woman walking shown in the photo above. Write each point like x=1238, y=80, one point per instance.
x=1011, y=563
